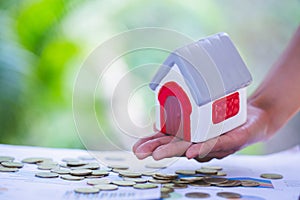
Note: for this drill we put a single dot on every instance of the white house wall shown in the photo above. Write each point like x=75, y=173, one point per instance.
x=201, y=124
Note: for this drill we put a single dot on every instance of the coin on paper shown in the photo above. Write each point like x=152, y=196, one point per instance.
x=145, y=186
x=6, y=158
x=197, y=195
x=98, y=181
x=271, y=176
x=124, y=183
x=250, y=183
x=229, y=195
x=8, y=169
x=106, y=187
x=46, y=175
x=12, y=164
x=72, y=178
x=87, y=190
x=80, y=172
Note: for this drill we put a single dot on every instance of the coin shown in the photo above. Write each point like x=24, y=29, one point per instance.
x=148, y=173
x=130, y=174
x=98, y=181
x=221, y=173
x=215, y=181
x=145, y=186
x=207, y=171
x=192, y=179
x=200, y=183
x=8, y=169
x=152, y=180
x=166, y=190
x=197, y=195
x=76, y=163
x=137, y=180
x=124, y=183
x=46, y=175
x=12, y=164
x=80, y=172
x=185, y=172
x=46, y=167
x=229, y=195
x=249, y=183
x=35, y=160
x=181, y=181
x=271, y=176
x=106, y=187
x=60, y=171
x=124, y=167
x=93, y=166
x=155, y=166
x=100, y=173
x=72, y=178
x=6, y=158
x=175, y=185
x=229, y=183
x=165, y=176
x=87, y=190
x=211, y=167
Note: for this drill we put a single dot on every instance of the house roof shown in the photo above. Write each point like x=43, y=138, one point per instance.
x=211, y=67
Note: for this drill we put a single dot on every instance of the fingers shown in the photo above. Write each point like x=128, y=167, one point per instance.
x=175, y=148
x=143, y=140
x=145, y=149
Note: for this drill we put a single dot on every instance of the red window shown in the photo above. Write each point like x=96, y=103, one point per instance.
x=225, y=108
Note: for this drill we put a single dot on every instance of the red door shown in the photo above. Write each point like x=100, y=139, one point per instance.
x=173, y=116
x=175, y=110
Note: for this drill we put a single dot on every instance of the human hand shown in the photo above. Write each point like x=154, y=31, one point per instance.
x=161, y=146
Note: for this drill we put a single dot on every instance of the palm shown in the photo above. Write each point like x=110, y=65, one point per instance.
x=163, y=146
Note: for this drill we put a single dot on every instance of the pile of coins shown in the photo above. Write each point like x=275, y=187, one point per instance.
x=72, y=169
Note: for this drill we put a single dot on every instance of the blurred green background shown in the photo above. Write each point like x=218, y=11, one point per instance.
x=44, y=42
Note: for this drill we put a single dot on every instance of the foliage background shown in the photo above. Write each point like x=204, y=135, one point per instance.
x=44, y=42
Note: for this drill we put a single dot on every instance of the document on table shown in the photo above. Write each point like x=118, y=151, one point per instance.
x=24, y=185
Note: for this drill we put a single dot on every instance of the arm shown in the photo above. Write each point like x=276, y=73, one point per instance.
x=275, y=101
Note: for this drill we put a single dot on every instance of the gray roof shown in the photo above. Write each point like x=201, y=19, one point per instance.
x=211, y=67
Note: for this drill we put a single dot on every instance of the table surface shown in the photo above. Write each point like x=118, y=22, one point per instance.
x=24, y=185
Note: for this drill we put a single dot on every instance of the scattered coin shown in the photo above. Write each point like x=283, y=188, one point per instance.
x=271, y=176
x=137, y=180
x=230, y=183
x=155, y=166
x=130, y=174
x=46, y=167
x=207, y=171
x=106, y=187
x=176, y=186
x=35, y=160
x=197, y=195
x=250, y=183
x=72, y=178
x=166, y=176
x=215, y=181
x=152, y=180
x=124, y=183
x=46, y=175
x=166, y=190
x=8, y=169
x=60, y=171
x=210, y=167
x=192, y=179
x=76, y=163
x=6, y=159
x=80, y=172
x=148, y=173
x=124, y=167
x=221, y=173
x=93, y=166
x=200, y=183
x=100, y=173
x=99, y=181
x=87, y=190
x=181, y=181
x=229, y=195
x=186, y=172
x=145, y=186
x=12, y=164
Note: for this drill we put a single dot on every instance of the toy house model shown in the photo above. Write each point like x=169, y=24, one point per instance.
x=200, y=90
